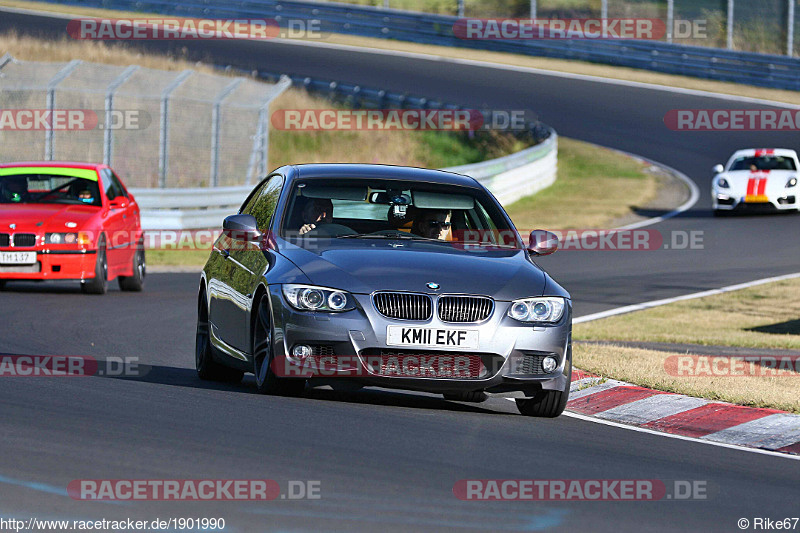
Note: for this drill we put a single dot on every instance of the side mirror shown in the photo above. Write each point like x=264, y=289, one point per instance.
x=718, y=169
x=120, y=202
x=542, y=242
x=241, y=228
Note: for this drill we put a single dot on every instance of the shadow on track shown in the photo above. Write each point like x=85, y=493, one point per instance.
x=187, y=377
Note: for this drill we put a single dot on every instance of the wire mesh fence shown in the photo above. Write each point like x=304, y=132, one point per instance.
x=156, y=128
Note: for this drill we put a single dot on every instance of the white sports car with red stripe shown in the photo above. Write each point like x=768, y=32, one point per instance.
x=763, y=178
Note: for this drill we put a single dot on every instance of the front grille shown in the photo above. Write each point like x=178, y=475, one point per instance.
x=21, y=269
x=426, y=364
x=5, y=240
x=529, y=364
x=465, y=308
x=321, y=350
x=24, y=240
x=403, y=305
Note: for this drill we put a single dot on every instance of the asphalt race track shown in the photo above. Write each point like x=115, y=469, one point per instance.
x=387, y=460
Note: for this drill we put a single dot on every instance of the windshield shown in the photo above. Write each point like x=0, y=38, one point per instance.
x=769, y=162
x=390, y=209
x=48, y=189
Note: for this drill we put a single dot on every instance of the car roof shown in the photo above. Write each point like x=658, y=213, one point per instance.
x=750, y=152
x=54, y=164
x=351, y=170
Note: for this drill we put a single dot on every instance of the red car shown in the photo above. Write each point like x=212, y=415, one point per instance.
x=69, y=221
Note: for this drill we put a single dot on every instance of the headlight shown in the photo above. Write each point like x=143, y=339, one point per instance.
x=791, y=183
x=548, y=309
x=61, y=238
x=309, y=298
x=722, y=183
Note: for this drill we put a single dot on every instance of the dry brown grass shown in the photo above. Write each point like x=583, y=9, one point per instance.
x=740, y=318
x=594, y=187
x=647, y=368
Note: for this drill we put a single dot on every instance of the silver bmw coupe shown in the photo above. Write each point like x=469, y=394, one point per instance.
x=384, y=276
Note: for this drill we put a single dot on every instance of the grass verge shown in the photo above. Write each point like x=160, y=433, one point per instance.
x=765, y=316
x=558, y=65
x=594, y=186
x=758, y=317
x=647, y=368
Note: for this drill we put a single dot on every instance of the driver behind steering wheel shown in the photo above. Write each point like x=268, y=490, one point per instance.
x=317, y=211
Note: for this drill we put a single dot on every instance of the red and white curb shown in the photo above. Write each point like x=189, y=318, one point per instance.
x=677, y=414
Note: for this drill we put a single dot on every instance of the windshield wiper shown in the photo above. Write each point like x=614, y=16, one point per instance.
x=393, y=236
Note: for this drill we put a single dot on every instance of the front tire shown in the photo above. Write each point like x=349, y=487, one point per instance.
x=98, y=284
x=267, y=382
x=548, y=403
x=207, y=368
x=135, y=283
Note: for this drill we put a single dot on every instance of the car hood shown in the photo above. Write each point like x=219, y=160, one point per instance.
x=363, y=267
x=774, y=180
x=44, y=217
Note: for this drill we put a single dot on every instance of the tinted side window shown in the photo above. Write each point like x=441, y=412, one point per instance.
x=118, y=186
x=108, y=184
x=262, y=204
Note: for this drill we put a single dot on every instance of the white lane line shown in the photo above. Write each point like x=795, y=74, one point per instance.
x=694, y=193
x=479, y=63
x=680, y=437
x=652, y=408
x=665, y=301
x=777, y=429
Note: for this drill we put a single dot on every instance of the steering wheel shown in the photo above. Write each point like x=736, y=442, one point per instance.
x=330, y=230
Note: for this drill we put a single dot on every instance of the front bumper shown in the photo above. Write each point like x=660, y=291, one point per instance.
x=722, y=200
x=52, y=265
x=351, y=345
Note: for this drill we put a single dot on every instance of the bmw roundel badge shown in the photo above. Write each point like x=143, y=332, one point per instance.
x=432, y=286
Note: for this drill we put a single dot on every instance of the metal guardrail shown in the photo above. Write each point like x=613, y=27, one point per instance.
x=763, y=70
x=508, y=178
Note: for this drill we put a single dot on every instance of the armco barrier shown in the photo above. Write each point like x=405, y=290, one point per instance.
x=764, y=70
x=508, y=178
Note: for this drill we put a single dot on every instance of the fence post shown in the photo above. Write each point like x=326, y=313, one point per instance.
x=730, y=25
x=108, y=136
x=790, y=30
x=49, y=133
x=461, y=8
x=604, y=16
x=533, y=9
x=7, y=58
x=163, y=131
x=670, y=19
x=260, y=149
x=224, y=93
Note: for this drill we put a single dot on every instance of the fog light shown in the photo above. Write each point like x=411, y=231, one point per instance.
x=301, y=350
x=549, y=364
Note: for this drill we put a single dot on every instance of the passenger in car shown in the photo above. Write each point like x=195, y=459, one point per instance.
x=432, y=223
